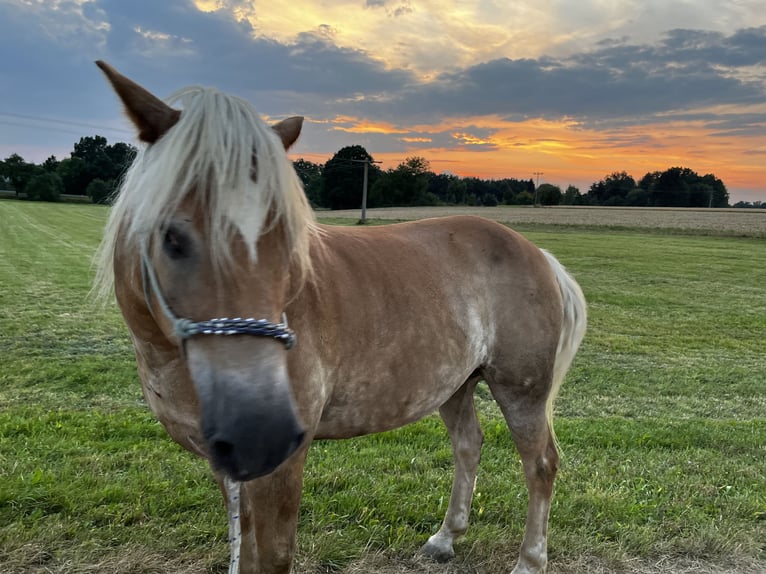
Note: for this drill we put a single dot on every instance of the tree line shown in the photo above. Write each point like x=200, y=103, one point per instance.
x=338, y=183
x=94, y=169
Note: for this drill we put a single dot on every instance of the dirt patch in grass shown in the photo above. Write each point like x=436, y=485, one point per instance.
x=384, y=565
x=736, y=222
x=32, y=559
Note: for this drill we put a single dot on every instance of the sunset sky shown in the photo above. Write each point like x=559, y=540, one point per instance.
x=575, y=90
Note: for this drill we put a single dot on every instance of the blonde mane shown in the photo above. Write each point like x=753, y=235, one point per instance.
x=237, y=168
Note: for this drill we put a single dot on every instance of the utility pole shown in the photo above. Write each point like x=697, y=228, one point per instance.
x=366, y=163
x=537, y=186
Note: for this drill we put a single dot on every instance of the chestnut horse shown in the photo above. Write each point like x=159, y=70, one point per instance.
x=389, y=323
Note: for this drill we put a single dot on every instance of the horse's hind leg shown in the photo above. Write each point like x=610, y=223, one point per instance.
x=524, y=409
x=459, y=415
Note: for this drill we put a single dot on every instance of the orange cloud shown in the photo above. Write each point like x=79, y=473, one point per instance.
x=366, y=127
x=568, y=152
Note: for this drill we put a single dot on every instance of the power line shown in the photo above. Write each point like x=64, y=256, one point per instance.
x=46, y=128
x=537, y=187
x=58, y=121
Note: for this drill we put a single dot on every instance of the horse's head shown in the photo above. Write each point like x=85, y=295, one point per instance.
x=215, y=217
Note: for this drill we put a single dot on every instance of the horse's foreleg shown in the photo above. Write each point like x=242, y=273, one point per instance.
x=247, y=551
x=459, y=415
x=268, y=518
x=529, y=427
x=271, y=504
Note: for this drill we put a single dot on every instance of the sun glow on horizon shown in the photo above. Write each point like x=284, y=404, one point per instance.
x=566, y=152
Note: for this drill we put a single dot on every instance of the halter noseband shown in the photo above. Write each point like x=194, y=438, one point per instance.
x=186, y=328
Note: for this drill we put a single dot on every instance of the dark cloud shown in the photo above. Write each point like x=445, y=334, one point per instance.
x=686, y=70
x=215, y=48
x=169, y=44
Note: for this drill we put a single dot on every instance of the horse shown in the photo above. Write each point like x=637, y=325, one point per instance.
x=211, y=247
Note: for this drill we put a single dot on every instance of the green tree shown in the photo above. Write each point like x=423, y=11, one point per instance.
x=121, y=155
x=44, y=186
x=406, y=184
x=548, y=194
x=683, y=187
x=100, y=191
x=438, y=185
x=637, y=197
x=456, y=191
x=100, y=160
x=51, y=164
x=18, y=172
x=672, y=188
x=310, y=174
x=572, y=196
x=73, y=174
x=342, y=179
x=612, y=190
x=720, y=195
x=524, y=198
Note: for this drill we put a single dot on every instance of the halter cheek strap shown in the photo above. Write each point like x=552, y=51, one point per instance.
x=186, y=328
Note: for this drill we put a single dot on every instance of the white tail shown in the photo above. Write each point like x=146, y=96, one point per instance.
x=572, y=330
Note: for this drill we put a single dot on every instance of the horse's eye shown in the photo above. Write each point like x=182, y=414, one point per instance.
x=175, y=243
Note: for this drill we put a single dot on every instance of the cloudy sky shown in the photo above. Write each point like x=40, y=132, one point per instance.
x=572, y=89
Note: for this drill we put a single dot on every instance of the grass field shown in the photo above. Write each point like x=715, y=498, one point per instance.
x=662, y=423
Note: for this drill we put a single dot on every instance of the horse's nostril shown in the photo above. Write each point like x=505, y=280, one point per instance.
x=222, y=449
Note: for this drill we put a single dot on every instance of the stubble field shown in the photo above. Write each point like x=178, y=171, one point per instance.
x=733, y=222
x=662, y=422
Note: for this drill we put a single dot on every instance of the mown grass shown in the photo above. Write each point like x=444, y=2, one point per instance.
x=662, y=422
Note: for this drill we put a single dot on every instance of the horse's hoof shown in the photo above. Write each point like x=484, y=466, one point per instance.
x=439, y=552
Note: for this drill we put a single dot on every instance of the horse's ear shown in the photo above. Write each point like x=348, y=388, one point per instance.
x=288, y=130
x=149, y=114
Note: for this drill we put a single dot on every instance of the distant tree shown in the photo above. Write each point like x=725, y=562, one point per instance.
x=572, y=196
x=649, y=181
x=44, y=186
x=511, y=188
x=525, y=198
x=406, y=184
x=73, y=173
x=637, y=197
x=342, y=179
x=310, y=174
x=612, y=190
x=438, y=185
x=456, y=191
x=548, y=194
x=18, y=172
x=476, y=188
x=100, y=191
x=121, y=155
x=719, y=193
x=672, y=188
x=51, y=164
x=100, y=161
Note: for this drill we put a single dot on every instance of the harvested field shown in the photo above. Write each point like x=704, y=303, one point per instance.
x=732, y=222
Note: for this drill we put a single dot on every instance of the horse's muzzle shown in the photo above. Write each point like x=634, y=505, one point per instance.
x=243, y=461
x=250, y=428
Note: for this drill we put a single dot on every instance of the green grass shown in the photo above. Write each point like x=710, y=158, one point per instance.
x=662, y=423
